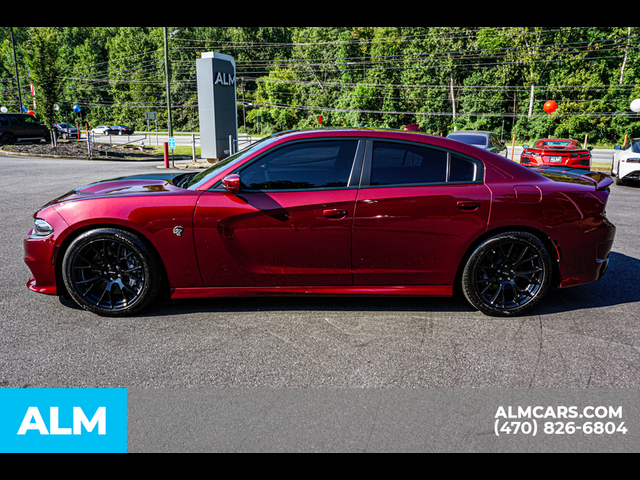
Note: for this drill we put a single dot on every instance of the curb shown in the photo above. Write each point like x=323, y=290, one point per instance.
x=86, y=158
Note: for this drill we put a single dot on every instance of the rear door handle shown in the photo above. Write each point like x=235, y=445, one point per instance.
x=335, y=214
x=469, y=206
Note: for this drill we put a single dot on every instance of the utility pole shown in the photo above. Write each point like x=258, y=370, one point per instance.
x=167, y=75
x=453, y=98
x=15, y=63
x=626, y=57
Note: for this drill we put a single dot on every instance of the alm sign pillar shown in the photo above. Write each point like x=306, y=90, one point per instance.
x=218, y=106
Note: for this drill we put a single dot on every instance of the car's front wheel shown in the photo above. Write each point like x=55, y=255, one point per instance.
x=508, y=275
x=111, y=273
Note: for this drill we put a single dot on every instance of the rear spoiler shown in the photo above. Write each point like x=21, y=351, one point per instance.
x=600, y=180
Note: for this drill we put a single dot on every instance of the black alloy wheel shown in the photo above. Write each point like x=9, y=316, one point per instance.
x=508, y=275
x=111, y=273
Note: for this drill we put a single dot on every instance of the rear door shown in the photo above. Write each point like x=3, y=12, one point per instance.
x=418, y=211
x=32, y=129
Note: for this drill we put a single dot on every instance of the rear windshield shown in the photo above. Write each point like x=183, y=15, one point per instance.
x=470, y=139
x=557, y=144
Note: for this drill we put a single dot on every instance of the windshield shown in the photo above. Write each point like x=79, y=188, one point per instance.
x=205, y=176
x=557, y=144
x=470, y=139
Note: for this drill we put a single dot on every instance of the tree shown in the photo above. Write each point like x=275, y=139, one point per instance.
x=46, y=69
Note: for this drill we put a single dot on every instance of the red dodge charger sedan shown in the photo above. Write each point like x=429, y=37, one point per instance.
x=328, y=212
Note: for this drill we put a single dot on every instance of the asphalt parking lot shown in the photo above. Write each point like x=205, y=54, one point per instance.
x=588, y=337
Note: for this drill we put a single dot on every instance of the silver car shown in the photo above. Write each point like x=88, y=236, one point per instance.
x=486, y=140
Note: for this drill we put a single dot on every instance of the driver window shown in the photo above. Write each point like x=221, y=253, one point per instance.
x=302, y=166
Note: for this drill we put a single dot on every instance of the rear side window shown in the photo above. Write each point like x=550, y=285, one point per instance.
x=4, y=121
x=462, y=170
x=397, y=164
x=302, y=166
x=401, y=164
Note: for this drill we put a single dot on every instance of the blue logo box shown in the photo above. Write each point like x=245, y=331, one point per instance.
x=63, y=421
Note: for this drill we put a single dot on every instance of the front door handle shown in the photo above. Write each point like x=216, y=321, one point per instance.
x=469, y=206
x=335, y=214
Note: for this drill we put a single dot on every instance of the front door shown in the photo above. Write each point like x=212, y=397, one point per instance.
x=291, y=223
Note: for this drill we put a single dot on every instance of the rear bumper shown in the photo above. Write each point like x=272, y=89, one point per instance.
x=537, y=161
x=587, y=260
x=635, y=176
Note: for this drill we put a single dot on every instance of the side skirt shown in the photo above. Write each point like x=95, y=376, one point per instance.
x=218, y=292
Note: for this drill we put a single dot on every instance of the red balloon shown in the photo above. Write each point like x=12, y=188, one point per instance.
x=550, y=106
x=31, y=112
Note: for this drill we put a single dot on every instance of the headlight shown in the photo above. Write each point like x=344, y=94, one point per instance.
x=41, y=228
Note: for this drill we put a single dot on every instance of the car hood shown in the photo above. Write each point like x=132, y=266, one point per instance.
x=125, y=186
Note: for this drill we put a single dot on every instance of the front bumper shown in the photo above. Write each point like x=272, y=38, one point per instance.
x=41, y=253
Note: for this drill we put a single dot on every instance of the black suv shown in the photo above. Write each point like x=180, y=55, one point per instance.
x=18, y=127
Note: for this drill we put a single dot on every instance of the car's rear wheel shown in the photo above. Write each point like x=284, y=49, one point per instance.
x=508, y=275
x=7, y=139
x=111, y=273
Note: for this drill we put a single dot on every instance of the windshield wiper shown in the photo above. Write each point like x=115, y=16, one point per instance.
x=184, y=180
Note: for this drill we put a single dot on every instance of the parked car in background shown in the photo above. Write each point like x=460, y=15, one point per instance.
x=101, y=130
x=564, y=152
x=120, y=130
x=115, y=130
x=488, y=141
x=626, y=162
x=66, y=131
x=19, y=127
x=328, y=212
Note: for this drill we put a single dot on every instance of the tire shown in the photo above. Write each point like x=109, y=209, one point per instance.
x=8, y=140
x=508, y=275
x=111, y=273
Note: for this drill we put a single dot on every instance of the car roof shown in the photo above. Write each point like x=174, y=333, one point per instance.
x=355, y=131
x=473, y=132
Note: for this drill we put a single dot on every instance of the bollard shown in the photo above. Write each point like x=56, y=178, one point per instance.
x=166, y=155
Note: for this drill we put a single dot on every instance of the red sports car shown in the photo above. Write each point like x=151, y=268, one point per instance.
x=556, y=152
x=328, y=212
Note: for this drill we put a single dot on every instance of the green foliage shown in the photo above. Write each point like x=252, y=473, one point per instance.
x=46, y=67
x=441, y=78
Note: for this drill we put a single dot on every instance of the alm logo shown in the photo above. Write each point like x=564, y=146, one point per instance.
x=63, y=421
x=33, y=421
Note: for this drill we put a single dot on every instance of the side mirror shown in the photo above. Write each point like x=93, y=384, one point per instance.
x=232, y=183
